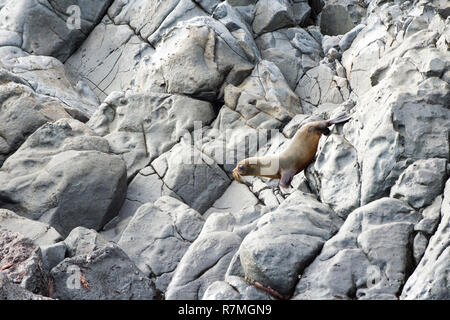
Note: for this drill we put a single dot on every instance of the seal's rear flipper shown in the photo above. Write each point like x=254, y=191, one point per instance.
x=343, y=117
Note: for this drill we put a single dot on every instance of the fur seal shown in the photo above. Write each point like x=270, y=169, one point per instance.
x=299, y=153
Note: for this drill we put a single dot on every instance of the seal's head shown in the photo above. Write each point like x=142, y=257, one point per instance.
x=243, y=168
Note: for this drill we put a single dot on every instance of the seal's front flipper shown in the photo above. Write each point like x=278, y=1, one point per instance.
x=286, y=178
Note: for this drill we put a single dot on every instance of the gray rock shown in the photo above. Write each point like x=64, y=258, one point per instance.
x=141, y=127
x=158, y=235
x=82, y=241
x=235, y=198
x=164, y=16
x=335, y=175
x=369, y=258
x=335, y=20
x=329, y=42
x=109, y=57
x=52, y=255
x=273, y=15
x=66, y=178
x=26, y=24
x=238, y=3
x=264, y=99
x=419, y=246
x=238, y=28
x=190, y=175
x=431, y=217
x=46, y=76
x=213, y=255
x=204, y=56
x=21, y=260
x=145, y=187
x=286, y=48
x=421, y=182
x=190, y=92
x=220, y=290
x=104, y=274
x=204, y=262
x=286, y=240
x=340, y=16
x=22, y=112
x=208, y=5
x=12, y=291
x=431, y=277
x=321, y=85
x=302, y=12
x=388, y=142
x=347, y=39
x=235, y=288
x=40, y=233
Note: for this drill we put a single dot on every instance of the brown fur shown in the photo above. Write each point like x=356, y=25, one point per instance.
x=295, y=158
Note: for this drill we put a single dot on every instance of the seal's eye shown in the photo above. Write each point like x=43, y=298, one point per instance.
x=241, y=167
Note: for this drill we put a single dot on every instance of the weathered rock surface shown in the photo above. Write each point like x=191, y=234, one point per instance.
x=64, y=176
x=286, y=48
x=47, y=76
x=286, y=240
x=369, y=258
x=12, y=291
x=26, y=24
x=40, y=233
x=141, y=127
x=421, y=182
x=21, y=261
x=158, y=236
x=415, y=121
x=120, y=130
x=190, y=175
x=264, y=99
x=205, y=262
x=22, y=113
x=213, y=254
x=235, y=288
x=430, y=280
x=98, y=270
x=202, y=47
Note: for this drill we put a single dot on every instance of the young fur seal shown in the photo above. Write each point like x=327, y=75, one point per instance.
x=295, y=158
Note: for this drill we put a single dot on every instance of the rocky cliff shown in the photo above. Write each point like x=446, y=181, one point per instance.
x=121, y=121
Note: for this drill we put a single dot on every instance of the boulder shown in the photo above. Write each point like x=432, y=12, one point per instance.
x=26, y=24
x=286, y=240
x=21, y=261
x=158, y=235
x=213, y=255
x=203, y=58
x=98, y=271
x=47, y=76
x=369, y=258
x=190, y=175
x=108, y=59
x=429, y=281
x=12, y=291
x=63, y=175
x=421, y=182
x=40, y=233
x=141, y=127
x=273, y=15
x=22, y=112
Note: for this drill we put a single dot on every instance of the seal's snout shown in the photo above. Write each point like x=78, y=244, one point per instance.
x=237, y=176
